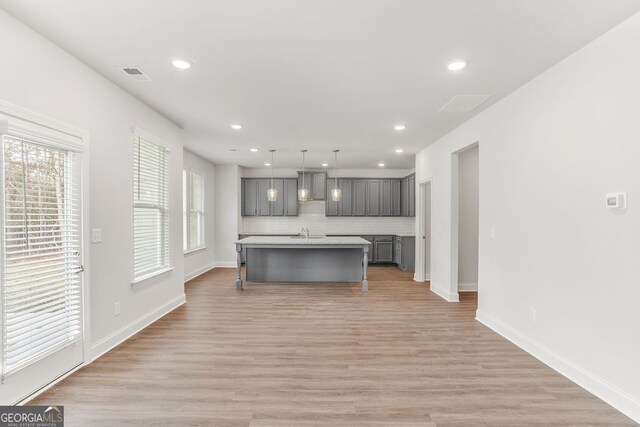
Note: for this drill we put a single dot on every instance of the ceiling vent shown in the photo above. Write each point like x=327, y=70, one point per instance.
x=464, y=103
x=136, y=74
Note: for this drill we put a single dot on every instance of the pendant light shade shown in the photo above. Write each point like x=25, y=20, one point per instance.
x=303, y=192
x=272, y=193
x=336, y=193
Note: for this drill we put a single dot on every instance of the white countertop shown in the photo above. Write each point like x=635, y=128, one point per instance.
x=288, y=241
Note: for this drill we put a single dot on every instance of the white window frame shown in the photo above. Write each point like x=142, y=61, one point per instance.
x=142, y=134
x=188, y=208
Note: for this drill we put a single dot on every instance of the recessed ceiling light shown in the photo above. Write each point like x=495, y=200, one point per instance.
x=253, y=150
x=183, y=64
x=267, y=164
x=456, y=65
x=236, y=126
x=324, y=165
x=399, y=150
x=381, y=165
x=400, y=127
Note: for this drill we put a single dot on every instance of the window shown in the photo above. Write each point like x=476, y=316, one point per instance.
x=193, y=211
x=150, y=208
x=40, y=263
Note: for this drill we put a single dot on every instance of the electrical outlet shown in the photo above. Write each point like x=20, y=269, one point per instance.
x=492, y=233
x=116, y=308
x=96, y=235
x=532, y=314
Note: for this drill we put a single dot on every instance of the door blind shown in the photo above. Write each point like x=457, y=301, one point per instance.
x=150, y=207
x=40, y=280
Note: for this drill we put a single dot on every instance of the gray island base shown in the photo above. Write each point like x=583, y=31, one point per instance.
x=302, y=259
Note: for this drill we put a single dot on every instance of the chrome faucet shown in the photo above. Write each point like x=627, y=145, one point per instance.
x=305, y=231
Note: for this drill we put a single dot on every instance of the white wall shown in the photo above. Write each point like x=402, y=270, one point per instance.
x=227, y=213
x=549, y=153
x=197, y=262
x=312, y=214
x=468, y=219
x=47, y=80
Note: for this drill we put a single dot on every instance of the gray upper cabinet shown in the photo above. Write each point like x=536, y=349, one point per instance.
x=331, y=207
x=385, y=197
x=291, y=197
x=359, y=197
x=249, y=197
x=346, y=201
x=412, y=195
x=316, y=183
x=277, y=206
x=319, y=187
x=263, y=201
x=255, y=201
x=395, y=197
x=404, y=197
x=373, y=197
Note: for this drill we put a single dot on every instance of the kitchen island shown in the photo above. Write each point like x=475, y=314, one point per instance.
x=303, y=259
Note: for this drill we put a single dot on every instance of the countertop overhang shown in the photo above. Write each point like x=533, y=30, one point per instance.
x=301, y=241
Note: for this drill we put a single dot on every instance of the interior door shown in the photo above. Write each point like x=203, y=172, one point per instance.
x=40, y=260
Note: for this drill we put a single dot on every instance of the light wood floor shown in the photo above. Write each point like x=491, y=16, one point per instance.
x=324, y=354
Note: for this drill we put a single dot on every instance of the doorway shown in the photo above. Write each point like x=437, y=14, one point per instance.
x=424, y=232
x=41, y=241
x=465, y=224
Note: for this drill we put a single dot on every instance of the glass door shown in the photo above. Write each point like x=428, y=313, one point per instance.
x=40, y=266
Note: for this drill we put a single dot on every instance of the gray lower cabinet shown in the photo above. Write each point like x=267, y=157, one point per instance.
x=405, y=252
x=383, y=249
x=397, y=251
x=255, y=201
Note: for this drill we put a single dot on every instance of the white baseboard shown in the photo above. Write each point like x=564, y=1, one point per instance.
x=427, y=278
x=595, y=385
x=110, y=341
x=198, y=272
x=223, y=264
x=467, y=287
x=444, y=294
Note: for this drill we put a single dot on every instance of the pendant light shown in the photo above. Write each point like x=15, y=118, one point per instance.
x=336, y=193
x=303, y=193
x=272, y=193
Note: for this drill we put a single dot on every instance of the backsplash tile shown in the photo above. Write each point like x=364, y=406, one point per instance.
x=311, y=214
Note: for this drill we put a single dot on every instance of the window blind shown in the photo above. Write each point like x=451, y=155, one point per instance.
x=150, y=207
x=41, y=287
x=196, y=210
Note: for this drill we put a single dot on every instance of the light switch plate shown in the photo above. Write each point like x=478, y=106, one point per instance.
x=96, y=235
x=616, y=201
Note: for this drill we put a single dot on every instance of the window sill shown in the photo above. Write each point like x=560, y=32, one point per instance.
x=146, y=277
x=190, y=251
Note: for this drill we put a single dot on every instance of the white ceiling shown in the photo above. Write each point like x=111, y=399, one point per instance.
x=319, y=74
